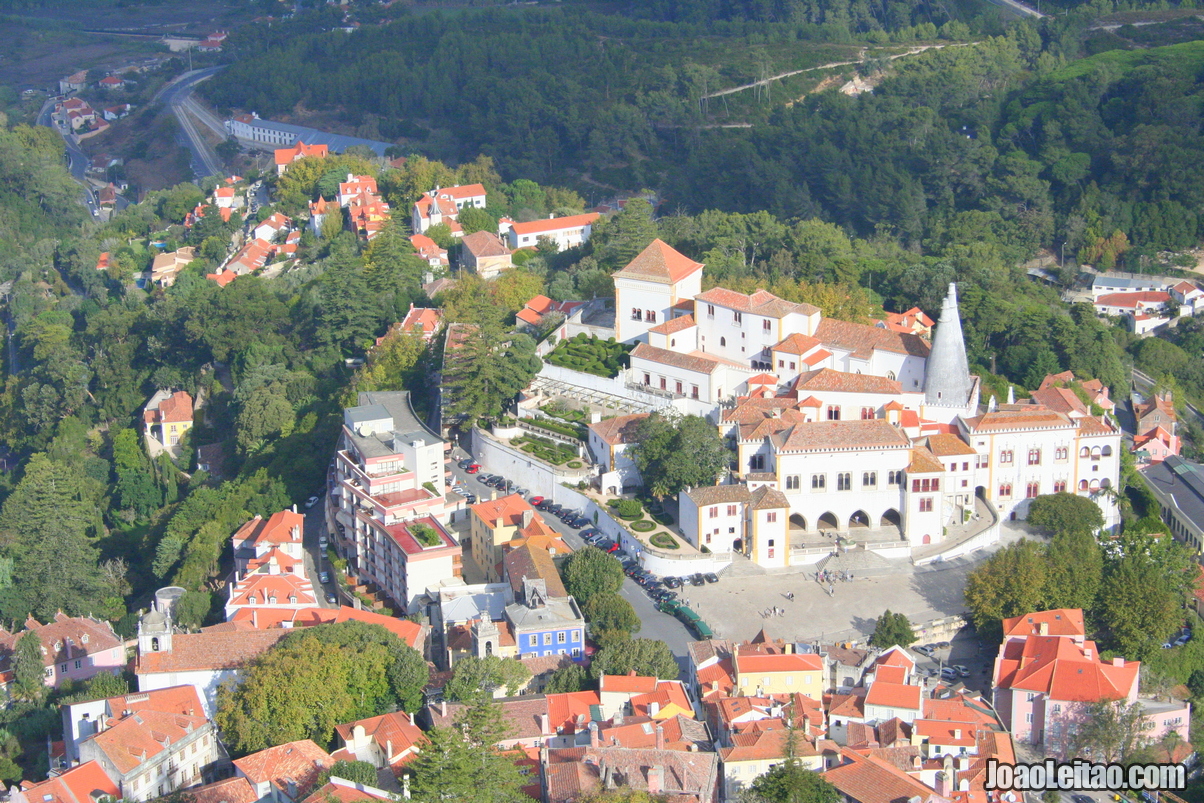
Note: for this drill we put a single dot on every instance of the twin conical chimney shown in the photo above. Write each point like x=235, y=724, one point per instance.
x=947, y=376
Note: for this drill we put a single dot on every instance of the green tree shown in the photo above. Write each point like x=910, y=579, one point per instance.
x=29, y=669
x=611, y=618
x=104, y=686
x=674, y=452
x=567, y=679
x=135, y=486
x=394, y=364
x=1137, y=606
x=462, y=764
x=1108, y=731
x=1076, y=569
x=1011, y=582
x=265, y=414
x=471, y=675
x=791, y=782
x=591, y=572
x=486, y=369
x=645, y=657
x=473, y=219
x=1064, y=512
x=628, y=232
x=892, y=629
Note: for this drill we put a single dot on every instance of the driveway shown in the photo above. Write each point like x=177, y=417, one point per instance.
x=654, y=624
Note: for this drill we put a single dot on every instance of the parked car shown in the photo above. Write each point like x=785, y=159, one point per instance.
x=949, y=673
x=553, y=509
x=535, y=501
x=543, y=504
x=613, y=548
x=464, y=463
x=579, y=522
x=943, y=645
x=472, y=468
x=482, y=478
x=696, y=580
x=711, y=577
x=668, y=606
x=521, y=491
x=606, y=545
x=960, y=670
x=322, y=541
x=313, y=500
x=470, y=499
x=332, y=599
x=324, y=577
x=673, y=582
x=924, y=649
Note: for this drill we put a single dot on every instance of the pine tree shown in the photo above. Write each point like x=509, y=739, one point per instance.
x=29, y=668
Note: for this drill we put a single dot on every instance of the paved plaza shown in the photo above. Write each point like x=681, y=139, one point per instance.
x=735, y=606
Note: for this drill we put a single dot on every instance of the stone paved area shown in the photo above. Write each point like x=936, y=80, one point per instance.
x=733, y=607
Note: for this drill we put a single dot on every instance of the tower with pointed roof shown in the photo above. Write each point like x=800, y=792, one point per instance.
x=947, y=381
x=649, y=290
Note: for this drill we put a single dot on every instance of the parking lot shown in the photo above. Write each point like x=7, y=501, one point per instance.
x=655, y=624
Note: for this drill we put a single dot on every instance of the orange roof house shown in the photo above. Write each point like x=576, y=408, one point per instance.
x=389, y=740
x=1059, y=622
x=289, y=770
x=286, y=156
x=660, y=262
x=167, y=416
x=86, y=783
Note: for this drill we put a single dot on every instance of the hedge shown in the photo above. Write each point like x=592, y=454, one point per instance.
x=664, y=541
x=561, y=429
x=643, y=526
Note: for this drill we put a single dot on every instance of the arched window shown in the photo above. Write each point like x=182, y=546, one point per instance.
x=1084, y=452
x=722, y=342
x=488, y=648
x=1082, y=485
x=1107, y=451
x=154, y=645
x=891, y=375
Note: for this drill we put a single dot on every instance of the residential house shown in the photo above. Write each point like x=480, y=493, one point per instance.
x=494, y=524
x=86, y=783
x=111, y=82
x=387, y=499
x=227, y=198
x=318, y=210
x=74, y=648
x=545, y=625
x=84, y=719
x=425, y=322
x=1045, y=681
x=913, y=321
x=117, y=112
x=286, y=156
x=430, y=251
x=565, y=232
x=485, y=254
x=608, y=442
x=229, y=790
x=1156, y=411
x=1188, y=296
x=341, y=790
x=389, y=740
x=286, y=773
x=574, y=772
x=166, y=267
x=368, y=215
x=356, y=186
x=541, y=310
x=788, y=672
x=253, y=256
x=149, y=753
x=532, y=561
x=868, y=779
x=443, y=205
x=756, y=750
x=168, y=416
x=273, y=226
x=1155, y=446
x=631, y=695
x=412, y=633
x=1095, y=391
x=75, y=82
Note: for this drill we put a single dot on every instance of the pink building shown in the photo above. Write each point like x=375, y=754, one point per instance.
x=1155, y=445
x=1047, y=674
x=73, y=648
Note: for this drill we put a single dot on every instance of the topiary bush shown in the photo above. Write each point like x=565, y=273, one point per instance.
x=575, y=464
x=629, y=510
x=643, y=526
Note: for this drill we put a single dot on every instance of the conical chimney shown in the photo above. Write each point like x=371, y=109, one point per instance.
x=947, y=375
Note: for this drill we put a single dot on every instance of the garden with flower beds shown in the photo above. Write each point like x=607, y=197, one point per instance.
x=548, y=450
x=648, y=522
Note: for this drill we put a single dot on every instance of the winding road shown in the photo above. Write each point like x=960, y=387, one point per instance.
x=77, y=162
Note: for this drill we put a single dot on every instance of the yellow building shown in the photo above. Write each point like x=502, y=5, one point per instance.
x=497, y=523
x=168, y=416
x=760, y=674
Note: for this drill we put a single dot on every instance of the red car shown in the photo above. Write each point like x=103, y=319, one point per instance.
x=473, y=469
x=535, y=500
x=613, y=548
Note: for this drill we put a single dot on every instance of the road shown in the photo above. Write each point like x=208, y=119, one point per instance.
x=315, y=555
x=1020, y=8
x=77, y=162
x=178, y=96
x=654, y=624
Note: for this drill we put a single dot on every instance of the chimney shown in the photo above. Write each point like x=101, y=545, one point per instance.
x=654, y=708
x=1043, y=629
x=957, y=733
x=443, y=708
x=788, y=649
x=545, y=723
x=388, y=750
x=1087, y=653
x=656, y=780
x=405, y=786
x=528, y=515
x=660, y=737
x=594, y=738
x=1118, y=661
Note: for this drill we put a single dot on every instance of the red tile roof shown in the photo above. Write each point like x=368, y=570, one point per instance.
x=660, y=263
x=674, y=325
x=343, y=791
x=66, y=638
x=282, y=527
x=209, y=650
x=1017, y=419
x=176, y=408
x=760, y=302
x=83, y=784
x=818, y=436
x=689, y=362
x=555, y=224
x=299, y=151
x=1133, y=300
x=530, y=562
x=1059, y=622
x=796, y=343
x=506, y=511
x=628, y=684
x=426, y=319
x=832, y=381
x=132, y=740
x=281, y=587
x=667, y=693
x=862, y=339
x=620, y=429
x=1064, y=670
x=231, y=790
x=867, y=779
x=484, y=244
x=948, y=445
x=570, y=709
x=759, y=664
x=395, y=732
x=894, y=695
x=298, y=763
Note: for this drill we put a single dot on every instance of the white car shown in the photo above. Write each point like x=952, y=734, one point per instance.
x=322, y=542
x=313, y=500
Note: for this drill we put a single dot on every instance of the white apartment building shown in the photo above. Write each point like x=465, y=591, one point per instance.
x=387, y=501
x=567, y=232
x=443, y=205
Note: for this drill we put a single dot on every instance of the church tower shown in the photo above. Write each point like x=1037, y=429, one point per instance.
x=947, y=381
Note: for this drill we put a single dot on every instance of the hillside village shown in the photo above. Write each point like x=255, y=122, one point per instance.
x=541, y=500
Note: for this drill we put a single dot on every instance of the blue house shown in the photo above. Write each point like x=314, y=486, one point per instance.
x=545, y=625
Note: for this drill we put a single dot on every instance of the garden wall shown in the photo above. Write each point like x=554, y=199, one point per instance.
x=535, y=475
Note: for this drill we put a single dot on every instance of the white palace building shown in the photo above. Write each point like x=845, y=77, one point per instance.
x=838, y=425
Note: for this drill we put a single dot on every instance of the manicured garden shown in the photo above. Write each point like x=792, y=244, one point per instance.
x=590, y=355
x=567, y=430
x=664, y=541
x=546, y=450
x=425, y=534
x=644, y=519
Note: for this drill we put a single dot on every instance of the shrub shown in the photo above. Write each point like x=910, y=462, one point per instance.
x=575, y=464
x=425, y=535
x=664, y=541
x=643, y=526
x=629, y=509
x=665, y=519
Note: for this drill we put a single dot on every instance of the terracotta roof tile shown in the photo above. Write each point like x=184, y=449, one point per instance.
x=924, y=462
x=819, y=436
x=660, y=263
x=555, y=223
x=894, y=695
x=484, y=244
x=83, y=784
x=674, y=325
x=948, y=445
x=231, y=790
x=297, y=763
x=832, y=381
x=1017, y=419
x=760, y=302
x=867, y=779
x=862, y=339
x=617, y=430
x=529, y=562
x=796, y=343
x=719, y=494
x=689, y=362
x=209, y=651
x=1059, y=622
